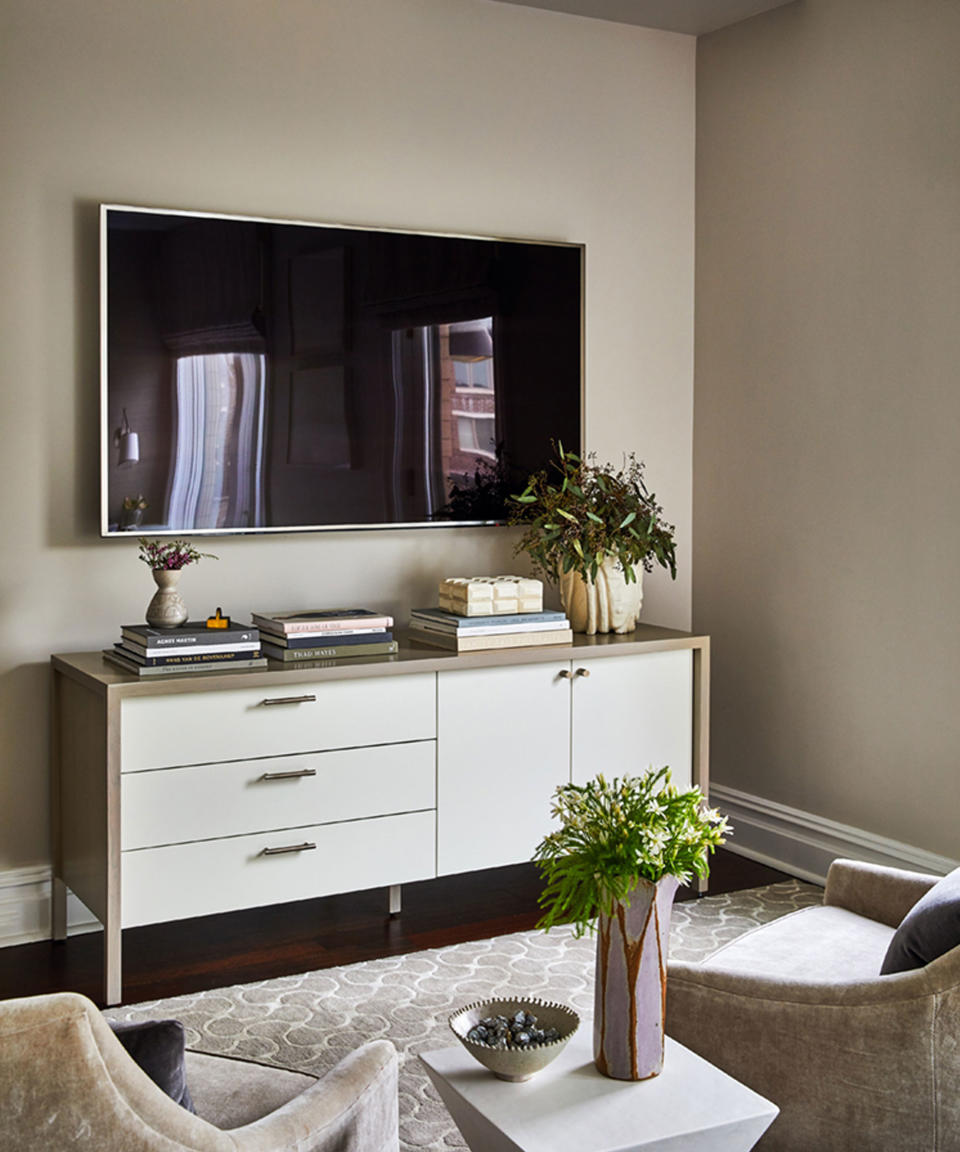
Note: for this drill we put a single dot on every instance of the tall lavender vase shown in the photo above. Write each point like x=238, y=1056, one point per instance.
x=631, y=983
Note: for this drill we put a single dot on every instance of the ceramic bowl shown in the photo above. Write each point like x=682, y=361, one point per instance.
x=515, y=1063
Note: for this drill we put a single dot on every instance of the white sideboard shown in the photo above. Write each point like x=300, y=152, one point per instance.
x=191, y=795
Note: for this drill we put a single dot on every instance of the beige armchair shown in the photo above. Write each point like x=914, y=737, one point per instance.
x=67, y=1082
x=797, y=1010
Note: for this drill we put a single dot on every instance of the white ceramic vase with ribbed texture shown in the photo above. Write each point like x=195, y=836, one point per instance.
x=608, y=604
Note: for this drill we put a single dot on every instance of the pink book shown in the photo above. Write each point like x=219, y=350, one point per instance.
x=322, y=620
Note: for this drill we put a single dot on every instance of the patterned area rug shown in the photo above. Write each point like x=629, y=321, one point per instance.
x=310, y=1021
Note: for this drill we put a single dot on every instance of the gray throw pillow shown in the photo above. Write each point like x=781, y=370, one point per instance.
x=929, y=929
x=158, y=1046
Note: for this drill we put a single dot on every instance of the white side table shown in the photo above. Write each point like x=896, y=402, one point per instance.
x=569, y=1107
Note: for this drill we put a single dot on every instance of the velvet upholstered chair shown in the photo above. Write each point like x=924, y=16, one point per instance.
x=67, y=1082
x=797, y=1010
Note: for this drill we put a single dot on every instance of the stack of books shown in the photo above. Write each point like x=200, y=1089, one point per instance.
x=443, y=629
x=192, y=647
x=325, y=634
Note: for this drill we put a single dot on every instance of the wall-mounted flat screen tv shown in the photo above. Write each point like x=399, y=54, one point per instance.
x=271, y=376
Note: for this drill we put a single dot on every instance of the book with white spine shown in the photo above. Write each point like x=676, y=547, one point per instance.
x=471, y=643
x=321, y=620
x=452, y=622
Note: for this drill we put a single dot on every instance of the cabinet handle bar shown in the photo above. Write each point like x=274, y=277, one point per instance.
x=304, y=847
x=289, y=775
x=310, y=699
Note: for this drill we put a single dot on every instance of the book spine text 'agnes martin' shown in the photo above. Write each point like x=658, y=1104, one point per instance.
x=185, y=637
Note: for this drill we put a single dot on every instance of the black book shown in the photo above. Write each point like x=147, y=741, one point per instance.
x=330, y=651
x=194, y=633
x=185, y=656
x=114, y=657
x=341, y=640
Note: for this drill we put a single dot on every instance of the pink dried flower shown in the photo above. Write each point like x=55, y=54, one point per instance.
x=174, y=555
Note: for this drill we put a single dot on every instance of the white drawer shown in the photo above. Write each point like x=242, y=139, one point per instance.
x=237, y=724
x=186, y=880
x=175, y=805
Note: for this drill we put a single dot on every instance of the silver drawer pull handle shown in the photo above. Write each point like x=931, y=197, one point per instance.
x=582, y=672
x=304, y=847
x=289, y=775
x=289, y=700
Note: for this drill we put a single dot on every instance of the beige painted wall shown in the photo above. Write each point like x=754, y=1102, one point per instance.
x=460, y=115
x=827, y=425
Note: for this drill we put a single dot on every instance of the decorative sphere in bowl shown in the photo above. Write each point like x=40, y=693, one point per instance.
x=514, y=1038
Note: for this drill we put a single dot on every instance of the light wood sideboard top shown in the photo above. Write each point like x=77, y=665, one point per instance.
x=96, y=674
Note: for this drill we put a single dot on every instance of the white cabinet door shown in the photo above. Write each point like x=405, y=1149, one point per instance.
x=631, y=713
x=503, y=745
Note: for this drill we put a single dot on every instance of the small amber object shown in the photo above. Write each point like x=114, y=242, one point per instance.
x=218, y=621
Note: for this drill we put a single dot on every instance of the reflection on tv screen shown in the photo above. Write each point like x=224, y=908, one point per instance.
x=267, y=376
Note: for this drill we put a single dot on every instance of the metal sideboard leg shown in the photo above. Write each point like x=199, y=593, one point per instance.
x=112, y=978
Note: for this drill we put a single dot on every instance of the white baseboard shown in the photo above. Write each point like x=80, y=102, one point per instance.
x=804, y=845
x=25, y=908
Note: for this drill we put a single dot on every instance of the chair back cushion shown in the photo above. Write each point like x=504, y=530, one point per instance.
x=158, y=1046
x=930, y=929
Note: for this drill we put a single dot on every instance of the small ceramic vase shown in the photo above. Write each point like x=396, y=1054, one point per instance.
x=166, y=609
x=130, y=518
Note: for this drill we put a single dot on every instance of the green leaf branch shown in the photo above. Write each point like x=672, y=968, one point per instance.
x=576, y=513
x=611, y=834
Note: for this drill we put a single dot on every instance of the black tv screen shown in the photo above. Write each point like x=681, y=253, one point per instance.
x=262, y=375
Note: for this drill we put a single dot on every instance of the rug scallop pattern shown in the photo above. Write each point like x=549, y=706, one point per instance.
x=310, y=1021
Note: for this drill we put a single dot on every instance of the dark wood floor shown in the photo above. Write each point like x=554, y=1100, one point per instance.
x=193, y=955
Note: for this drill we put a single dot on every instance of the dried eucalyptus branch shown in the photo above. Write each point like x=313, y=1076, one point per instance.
x=577, y=512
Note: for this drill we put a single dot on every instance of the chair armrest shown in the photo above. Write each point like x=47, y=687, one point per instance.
x=851, y=1066
x=872, y=890
x=354, y=1108
x=903, y=987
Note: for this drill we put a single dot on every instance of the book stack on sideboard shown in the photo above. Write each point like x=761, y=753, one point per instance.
x=191, y=647
x=481, y=613
x=325, y=634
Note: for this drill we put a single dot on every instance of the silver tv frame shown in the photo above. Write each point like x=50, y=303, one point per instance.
x=106, y=433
